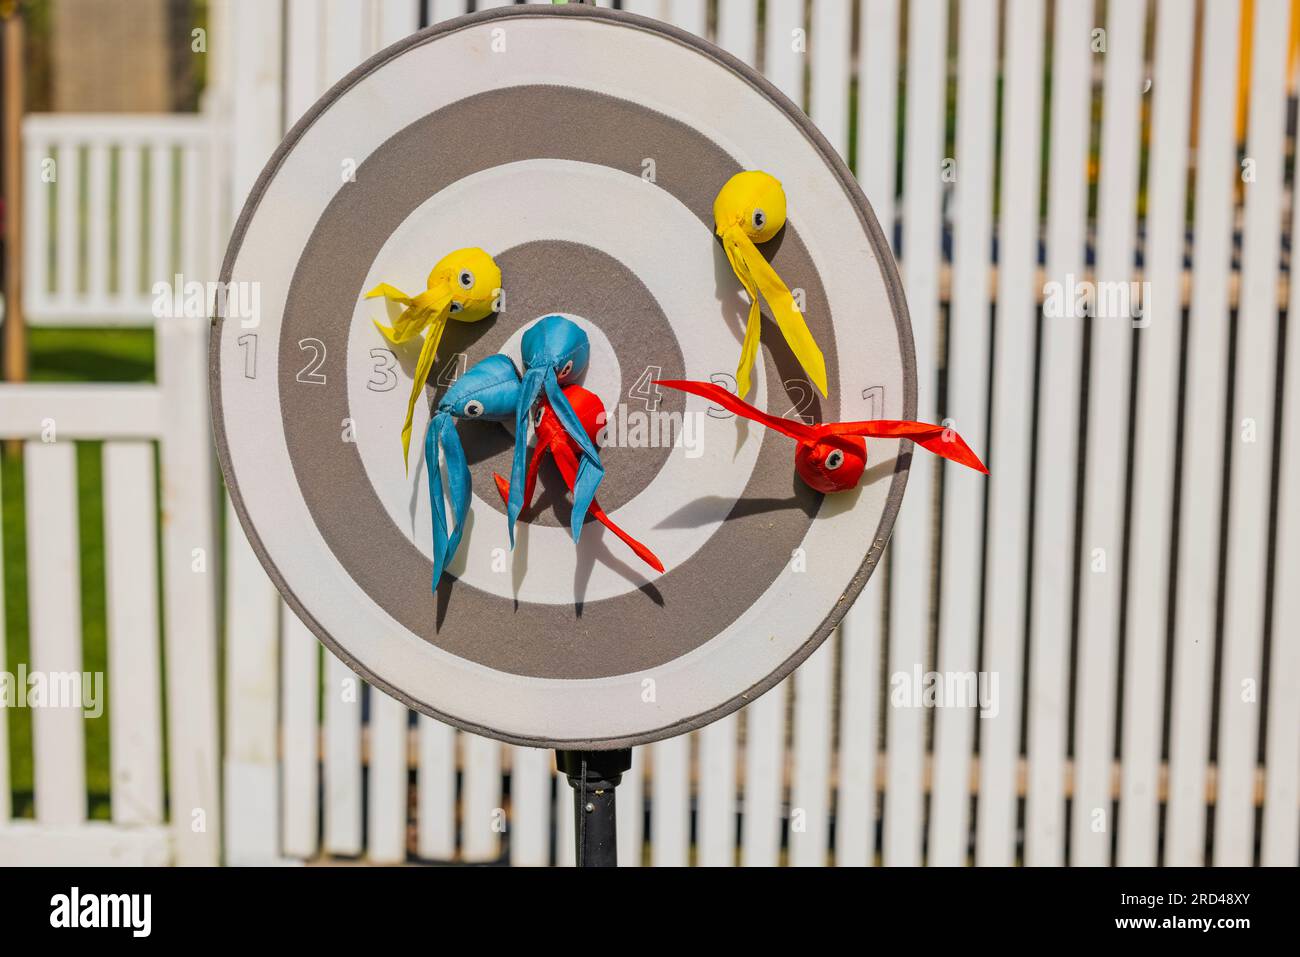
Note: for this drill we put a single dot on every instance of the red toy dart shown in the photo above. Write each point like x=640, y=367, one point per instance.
x=552, y=436
x=832, y=456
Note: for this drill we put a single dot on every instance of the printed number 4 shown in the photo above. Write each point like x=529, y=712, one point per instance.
x=453, y=370
x=646, y=390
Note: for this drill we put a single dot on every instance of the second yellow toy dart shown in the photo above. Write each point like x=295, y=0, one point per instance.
x=463, y=286
x=750, y=209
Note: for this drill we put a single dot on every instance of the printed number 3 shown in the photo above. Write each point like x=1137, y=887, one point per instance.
x=382, y=377
x=727, y=381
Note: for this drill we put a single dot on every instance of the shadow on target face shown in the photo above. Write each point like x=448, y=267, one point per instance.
x=508, y=653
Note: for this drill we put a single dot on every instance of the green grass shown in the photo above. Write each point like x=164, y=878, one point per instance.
x=66, y=355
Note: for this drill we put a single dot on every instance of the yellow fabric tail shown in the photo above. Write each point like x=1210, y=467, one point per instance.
x=388, y=333
x=787, y=315
x=389, y=292
x=412, y=318
x=754, y=324
x=437, y=325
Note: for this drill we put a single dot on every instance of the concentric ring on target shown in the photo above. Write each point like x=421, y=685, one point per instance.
x=593, y=189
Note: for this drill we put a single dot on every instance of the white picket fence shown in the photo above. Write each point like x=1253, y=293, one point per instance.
x=115, y=203
x=1143, y=719
x=153, y=821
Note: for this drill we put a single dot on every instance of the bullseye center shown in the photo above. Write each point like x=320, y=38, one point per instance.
x=602, y=375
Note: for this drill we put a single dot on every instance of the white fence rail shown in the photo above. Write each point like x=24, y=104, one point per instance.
x=1160, y=663
x=114, y=204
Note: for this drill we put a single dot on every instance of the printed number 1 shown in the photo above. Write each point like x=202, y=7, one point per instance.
x=876, y=396
x=249, y=342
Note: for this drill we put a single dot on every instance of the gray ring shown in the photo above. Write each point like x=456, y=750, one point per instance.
x=583, y=639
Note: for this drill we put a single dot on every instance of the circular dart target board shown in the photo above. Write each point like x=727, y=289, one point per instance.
x=582, y=148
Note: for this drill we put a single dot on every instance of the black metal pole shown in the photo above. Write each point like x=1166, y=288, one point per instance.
x=593, y=775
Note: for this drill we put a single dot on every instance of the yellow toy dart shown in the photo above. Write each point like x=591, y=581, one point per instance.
x=751, y=209
x=463, y=286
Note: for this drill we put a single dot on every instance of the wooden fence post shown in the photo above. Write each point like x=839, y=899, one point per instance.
x=189, y=589
x=250, y=765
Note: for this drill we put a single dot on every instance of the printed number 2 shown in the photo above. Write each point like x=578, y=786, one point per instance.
x=803, y=395
x=311, y=374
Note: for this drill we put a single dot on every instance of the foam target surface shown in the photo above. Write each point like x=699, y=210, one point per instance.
x=522, y=131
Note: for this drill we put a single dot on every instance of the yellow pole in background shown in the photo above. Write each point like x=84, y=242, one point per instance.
x=1243, y=67
x=11, y=112
x=1294, y=46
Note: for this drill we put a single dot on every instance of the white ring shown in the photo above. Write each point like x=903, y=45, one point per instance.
x=577, y=202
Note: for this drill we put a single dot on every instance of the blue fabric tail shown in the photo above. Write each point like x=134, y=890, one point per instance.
x=459, y=482
x=529, y=390
x=590, y=469
x=434, y=472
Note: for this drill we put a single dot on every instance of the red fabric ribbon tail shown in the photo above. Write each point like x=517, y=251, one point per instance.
x=530, y=481
x=567, y=461
x=707, y=390
x=953, y=447
x=503, y=487
x=940, y=440
x=643, y=553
